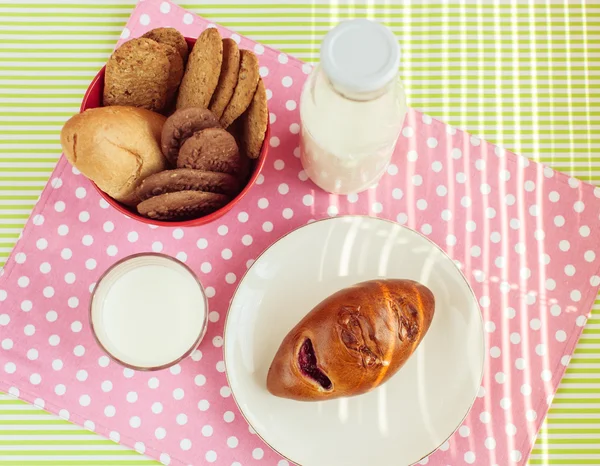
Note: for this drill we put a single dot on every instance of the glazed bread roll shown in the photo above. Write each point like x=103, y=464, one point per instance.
x=115, y=147
x=353, y=341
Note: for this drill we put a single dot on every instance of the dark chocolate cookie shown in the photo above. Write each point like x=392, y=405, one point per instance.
x=181, y=205
x=181, y=125
x=212, y=149
x=236, y=129
x=187, y=179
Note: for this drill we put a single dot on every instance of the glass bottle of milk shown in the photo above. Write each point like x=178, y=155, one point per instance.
x=352, y=108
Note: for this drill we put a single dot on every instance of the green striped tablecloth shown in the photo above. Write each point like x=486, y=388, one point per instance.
x=523, y=75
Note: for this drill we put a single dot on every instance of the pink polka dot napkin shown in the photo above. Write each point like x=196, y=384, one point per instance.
x=525, y=236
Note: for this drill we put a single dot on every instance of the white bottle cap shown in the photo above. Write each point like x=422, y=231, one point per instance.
x=360, y=55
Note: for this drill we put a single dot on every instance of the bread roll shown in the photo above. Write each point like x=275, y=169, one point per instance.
x=115, y=147
x=353, y=341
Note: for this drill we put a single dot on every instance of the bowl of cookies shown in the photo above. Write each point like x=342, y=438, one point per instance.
x=173, y=131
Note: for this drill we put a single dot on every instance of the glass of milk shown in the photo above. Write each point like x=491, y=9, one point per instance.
x=148, y=311
x=352, y=108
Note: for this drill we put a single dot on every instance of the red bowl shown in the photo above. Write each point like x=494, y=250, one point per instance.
x=93, y=99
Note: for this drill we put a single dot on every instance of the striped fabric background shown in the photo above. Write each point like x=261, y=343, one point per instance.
x=523, y=75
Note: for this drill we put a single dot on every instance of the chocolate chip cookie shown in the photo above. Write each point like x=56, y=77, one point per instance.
x=181, y=125
x=212, y=149
x=181, y=205
x=187, y=179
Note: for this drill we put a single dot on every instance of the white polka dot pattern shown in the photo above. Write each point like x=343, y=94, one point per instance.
x=510, y=226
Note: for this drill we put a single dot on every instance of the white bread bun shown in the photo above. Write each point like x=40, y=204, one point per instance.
x=115, y=147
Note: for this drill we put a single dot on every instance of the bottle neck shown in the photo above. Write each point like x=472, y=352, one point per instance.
x=357, y=96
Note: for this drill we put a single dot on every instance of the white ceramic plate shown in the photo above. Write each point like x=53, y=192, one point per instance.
x=401, y=421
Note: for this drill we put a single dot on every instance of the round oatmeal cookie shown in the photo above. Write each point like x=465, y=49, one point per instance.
x=181, y=125
x=227, y=79
x=202, y=72
x=245, y=88
x=212, y=149
x=182, y=205
x=255, y=121
x=175, y=73
x=172, y=37
x=137, y=75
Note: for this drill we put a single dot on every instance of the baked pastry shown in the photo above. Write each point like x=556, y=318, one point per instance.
x=244, y=89
x=172, y=37
x=353, y=341
x=212, y=149
x=137, y=74
x=115, y=147
x=254, y=122
x=181, y=205
x=187, y=179
x=181, y=125
x=228, y=78
x=202, y=71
